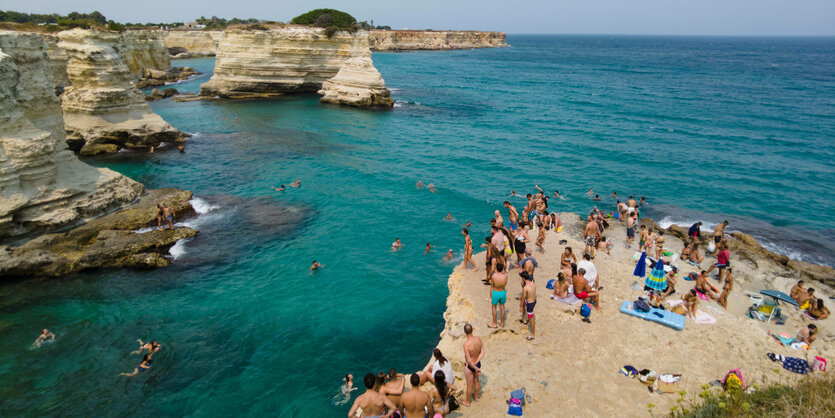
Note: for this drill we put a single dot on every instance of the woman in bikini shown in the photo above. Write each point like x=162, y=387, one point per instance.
x=521, y=240
x=440, y=394
x=145, y=365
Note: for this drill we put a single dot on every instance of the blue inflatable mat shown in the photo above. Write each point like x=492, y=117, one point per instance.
x=670, y=319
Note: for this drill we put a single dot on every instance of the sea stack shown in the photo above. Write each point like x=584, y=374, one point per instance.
x=357, y=83
x=103, y=111
x=144, y=50
x=43, y=185
x=295, y=59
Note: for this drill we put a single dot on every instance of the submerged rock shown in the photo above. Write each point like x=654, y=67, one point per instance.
x=108, y=241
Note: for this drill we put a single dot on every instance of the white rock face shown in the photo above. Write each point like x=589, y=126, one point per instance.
x=145, y=50
x=410, y=40
x=42, y=184
x=103, y=111
x=195, y=43
x=58, y=62
x=357, y=83
x=291, y=59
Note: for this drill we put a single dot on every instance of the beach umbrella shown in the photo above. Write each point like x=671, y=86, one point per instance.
x=657, y=279
x=641, y=267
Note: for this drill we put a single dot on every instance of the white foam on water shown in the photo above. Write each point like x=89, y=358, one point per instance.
x=201, y=206
x=178, y=249
x=668, y=221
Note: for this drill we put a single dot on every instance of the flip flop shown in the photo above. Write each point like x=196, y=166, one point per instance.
x=529, y=338
x=492, y=326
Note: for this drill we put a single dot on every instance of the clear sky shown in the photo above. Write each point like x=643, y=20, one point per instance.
x=676, y=17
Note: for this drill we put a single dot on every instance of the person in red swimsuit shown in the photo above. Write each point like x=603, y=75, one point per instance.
x=581, y=287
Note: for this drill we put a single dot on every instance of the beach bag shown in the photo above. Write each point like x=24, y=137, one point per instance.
x=711, y=247
x=519, y=395
x=585, y=311
x=641, y=305
x=514, y=407
x=819, y=364
x=453, y=403
x=550, y=284
x=733, y=380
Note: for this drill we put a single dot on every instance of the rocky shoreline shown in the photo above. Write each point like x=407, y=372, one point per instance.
x=105, y=242
x=569, y=357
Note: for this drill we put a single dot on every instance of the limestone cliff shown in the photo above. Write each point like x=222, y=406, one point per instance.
x=410, y=40
x=144, y=50
x=357, y=83
x=103, y=111
x=58, y=63
x=290, y=59
x=42, y=184
x=187, y=44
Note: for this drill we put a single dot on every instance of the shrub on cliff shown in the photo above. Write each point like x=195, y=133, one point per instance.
x=330, y=19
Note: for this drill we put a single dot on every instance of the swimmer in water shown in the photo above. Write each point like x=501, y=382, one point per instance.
x=512, y=193
x=590, y=192
x=614, y=195
x=448, y=255
x=345, y=390
x=297, y=183
x=152, y=347
x=45, y=334
x=432, y=187
x=557, y=194
x=428, y=248
x=152, y=149
x=279, y=189
x=449, y=217
x=596, y=197
x=469, y=224
x=145, y=365
x=182, y=148
x=315, y=266
x=236, y=120
x=396, y=245
x=419, y=185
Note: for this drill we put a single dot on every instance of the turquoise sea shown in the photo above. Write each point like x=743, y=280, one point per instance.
x=706, y=128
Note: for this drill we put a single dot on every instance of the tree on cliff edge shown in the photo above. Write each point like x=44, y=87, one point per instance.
x=330, y=19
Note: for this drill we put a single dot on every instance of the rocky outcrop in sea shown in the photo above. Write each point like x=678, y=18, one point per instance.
x=292, y=59
x=43, y=186
x=103, y=111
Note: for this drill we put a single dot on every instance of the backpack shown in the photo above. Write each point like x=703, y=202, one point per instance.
x=519, y=395
x=585, y=311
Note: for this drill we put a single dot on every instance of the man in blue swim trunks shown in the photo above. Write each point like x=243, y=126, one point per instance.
x=498, y=294
x=513, y=216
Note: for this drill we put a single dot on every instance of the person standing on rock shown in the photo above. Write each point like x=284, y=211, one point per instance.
x=167, y=216
x=529, y=301
x=498, y=295
x=590, y=237
x=473, y=352
x=630, y=230
x=719, y=232
x=468, y=249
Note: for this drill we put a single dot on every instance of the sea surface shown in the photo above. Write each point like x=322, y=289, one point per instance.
x=705, y=128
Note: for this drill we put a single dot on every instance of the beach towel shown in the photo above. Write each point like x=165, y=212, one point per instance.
x=668, y=383
x=568, y=300
x=628, y=371
x=514, y=407
x=785, y=339
x=793, y=364
x=704, y=318
x=702, y=296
